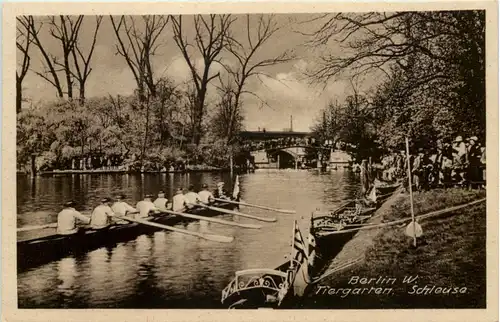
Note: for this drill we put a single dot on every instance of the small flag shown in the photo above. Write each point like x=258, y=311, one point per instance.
x=373, y=195
x=418, y=230
x=299, y=246
x=300, y=257
x=311, y=241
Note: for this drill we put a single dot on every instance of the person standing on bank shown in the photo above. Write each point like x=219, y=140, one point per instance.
x=365, y=181
x=101, y=215
x=206, y=196
x=67, y=218
x=459, y=159
x=474, y=158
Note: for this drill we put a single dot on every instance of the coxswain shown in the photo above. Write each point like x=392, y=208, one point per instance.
x=145, y=207
x=459, y=159
x=192, y=197
x=221, y=193
x=66, y=219
x=101, y=215
x=205, y=195
x=161, y=201
x=120, y=207
x=179, y=201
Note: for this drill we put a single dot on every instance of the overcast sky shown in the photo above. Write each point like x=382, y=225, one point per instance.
x=286, y=91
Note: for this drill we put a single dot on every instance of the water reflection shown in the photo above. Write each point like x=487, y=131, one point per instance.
x=67, y=276
x=165, y=269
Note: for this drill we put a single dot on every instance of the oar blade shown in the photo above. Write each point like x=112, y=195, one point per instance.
x=251, y=226
x=258, y=206
x=29, y=228
x=286, y=211
x=218, y=238
x=237, y=213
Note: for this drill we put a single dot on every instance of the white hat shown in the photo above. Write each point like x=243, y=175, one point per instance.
x=458, y=139
x=474, y=138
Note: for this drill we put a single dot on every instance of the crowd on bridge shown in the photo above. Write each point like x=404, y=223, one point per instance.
x=277, y=143
x=458, y=163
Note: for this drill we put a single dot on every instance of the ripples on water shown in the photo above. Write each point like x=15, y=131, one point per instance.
x=167, y=270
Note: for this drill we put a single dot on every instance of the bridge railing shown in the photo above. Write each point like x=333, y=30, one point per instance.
x=282, y=143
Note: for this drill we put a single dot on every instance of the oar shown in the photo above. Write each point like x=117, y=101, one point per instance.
x=232, y=212
x=257, y=206
x=212, y=237
x=215, y=220
x=54, y=225
x=28, y=228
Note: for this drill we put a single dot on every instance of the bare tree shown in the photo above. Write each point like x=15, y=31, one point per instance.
x=378, y=40
x=248, y=64
x=227, y=121
x=82, y=62
x=137, y=44
x=23, y=42
x=49, y=73
x=211, y=37
x=66, y=30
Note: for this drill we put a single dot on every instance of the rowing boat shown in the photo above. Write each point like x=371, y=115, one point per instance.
x=264, y=287
x=38, y=251
x=350, y=215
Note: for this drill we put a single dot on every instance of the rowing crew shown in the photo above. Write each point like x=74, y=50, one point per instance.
x=107, y=211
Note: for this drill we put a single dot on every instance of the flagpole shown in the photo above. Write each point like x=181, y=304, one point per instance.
x=293, y=243
x=411, y=192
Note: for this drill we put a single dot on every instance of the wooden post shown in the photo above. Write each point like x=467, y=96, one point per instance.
x=293, y=244
x=33, y=164
x=278, y=161
x=411, y=192
x=231, y=163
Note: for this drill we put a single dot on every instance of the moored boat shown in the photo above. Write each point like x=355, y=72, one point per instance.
x=268, y=288
x=38, y=251
x=349, y=216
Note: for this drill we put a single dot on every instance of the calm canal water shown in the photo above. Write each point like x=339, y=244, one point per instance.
x=167, y=270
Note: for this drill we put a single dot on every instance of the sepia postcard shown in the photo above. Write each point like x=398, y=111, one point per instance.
x=250, y=161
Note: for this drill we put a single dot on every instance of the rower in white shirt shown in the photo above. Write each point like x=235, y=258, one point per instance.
x=179, y=201
x=66, y=219
x=205, y=195
x=161, y=202
x=101, y=215
x=120, y=207
x=145, y=207
x=192, y=197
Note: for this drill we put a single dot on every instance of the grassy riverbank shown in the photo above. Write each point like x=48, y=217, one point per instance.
x=450, y=254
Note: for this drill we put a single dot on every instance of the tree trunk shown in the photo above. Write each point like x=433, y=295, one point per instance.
x=19, y=96
x=82, y=93
x=68, y=76
x=146, y=132
x=198, y=116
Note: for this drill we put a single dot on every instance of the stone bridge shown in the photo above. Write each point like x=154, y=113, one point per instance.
x=289, y=149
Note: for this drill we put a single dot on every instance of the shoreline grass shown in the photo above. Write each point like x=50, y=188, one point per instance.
x=450, y=254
